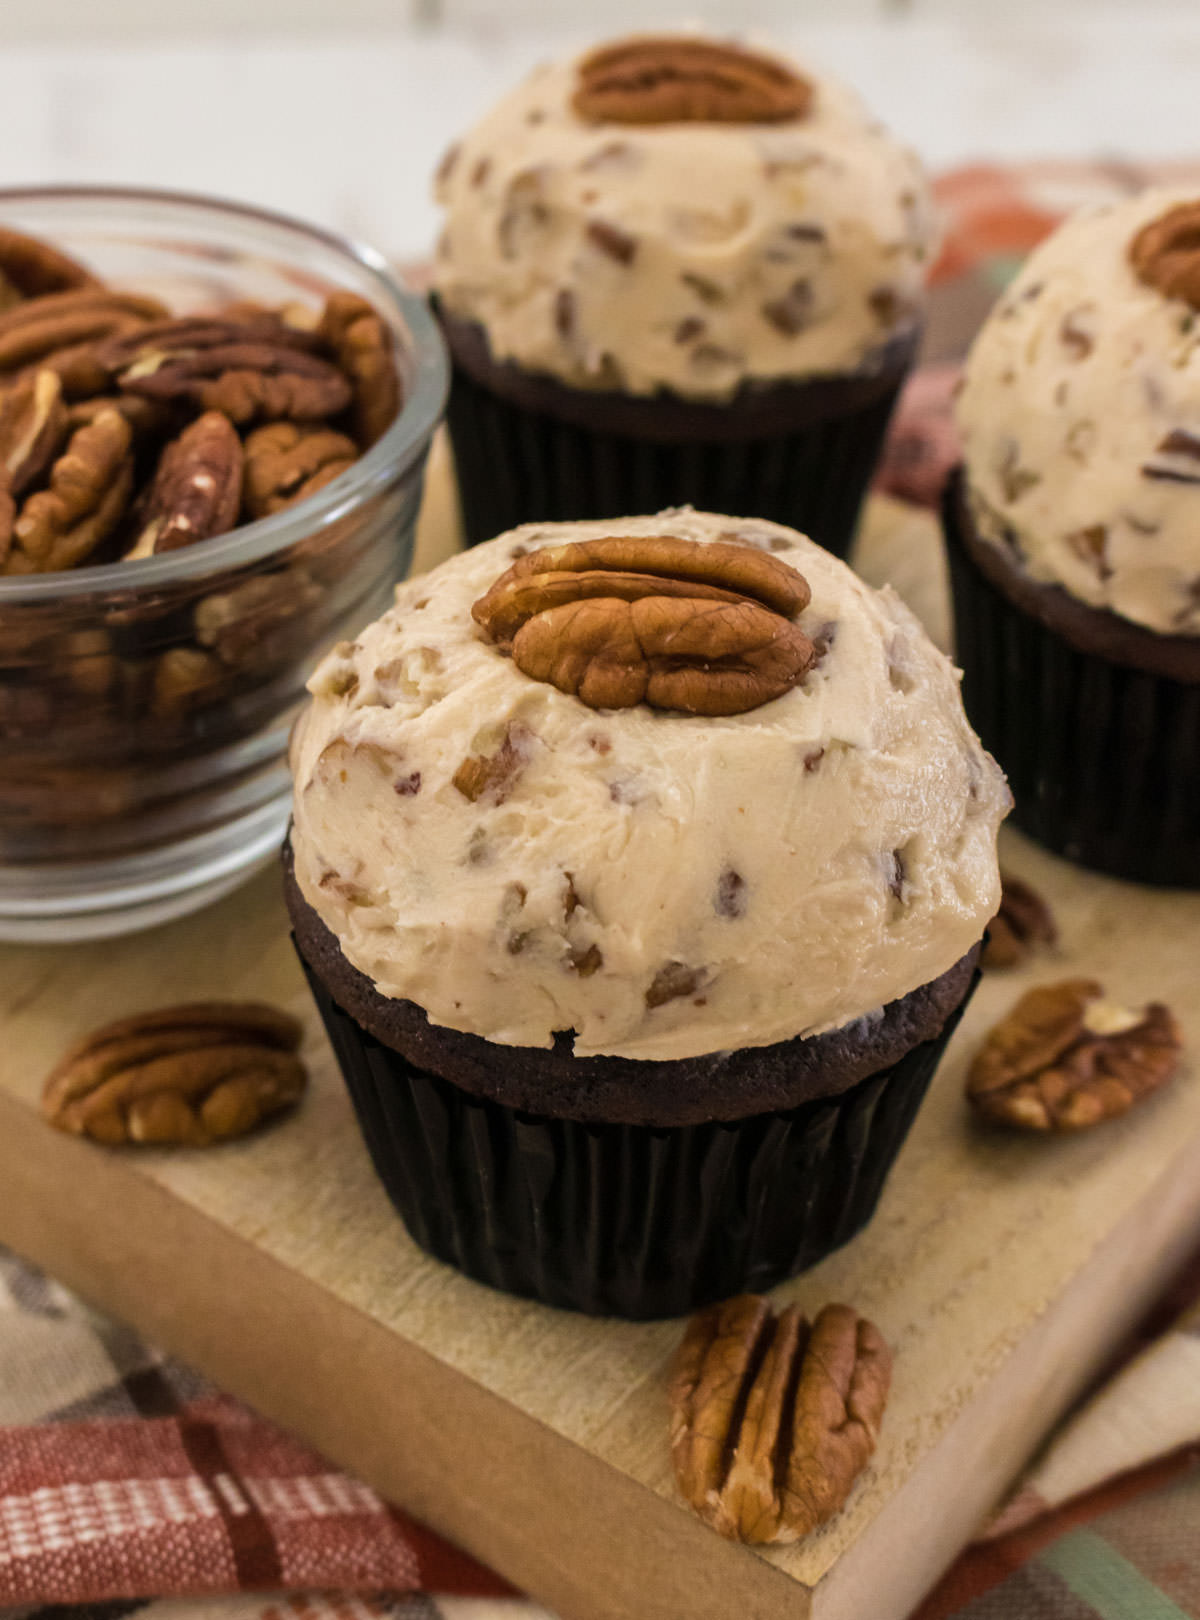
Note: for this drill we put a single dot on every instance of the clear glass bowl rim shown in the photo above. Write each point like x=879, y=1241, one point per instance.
x=387, y=460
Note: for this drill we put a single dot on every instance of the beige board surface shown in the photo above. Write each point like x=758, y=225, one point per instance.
x=1000, y=1269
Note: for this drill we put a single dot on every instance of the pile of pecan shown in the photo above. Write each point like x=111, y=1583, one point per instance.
x=628, y=619
x=774, y=1418
x=126, y=431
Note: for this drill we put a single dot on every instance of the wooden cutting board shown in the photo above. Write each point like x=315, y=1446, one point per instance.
x=1001, y=1270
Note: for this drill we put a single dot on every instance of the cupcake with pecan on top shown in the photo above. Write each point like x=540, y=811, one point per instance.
x=1074, y=539
x=639, y=869
x=677, y=269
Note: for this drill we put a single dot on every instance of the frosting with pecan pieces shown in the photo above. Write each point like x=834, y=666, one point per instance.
x=663, y=883
x=1080, y=413
x=687, y=253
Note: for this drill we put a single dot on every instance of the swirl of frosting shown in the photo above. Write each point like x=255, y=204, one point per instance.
x=688, y=256
x=1080, y=417
x=663, y=884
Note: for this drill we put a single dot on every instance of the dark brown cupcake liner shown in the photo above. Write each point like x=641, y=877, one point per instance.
x=624, y=1220
x=1103, y=758
x=799, y=454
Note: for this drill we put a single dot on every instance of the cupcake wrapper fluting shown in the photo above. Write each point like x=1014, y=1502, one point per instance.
x=1103, y=760
x=517, y=465
x=624, y=1220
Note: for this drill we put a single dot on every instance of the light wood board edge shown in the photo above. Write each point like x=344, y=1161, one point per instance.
x=558, y=1522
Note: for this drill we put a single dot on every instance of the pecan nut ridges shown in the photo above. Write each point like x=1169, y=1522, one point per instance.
x=194, y=1074
x=1166, y=253
x=619, y=621
x=773, y=1420
x=675, y=79
x=1065, y=1058
x=197, y=489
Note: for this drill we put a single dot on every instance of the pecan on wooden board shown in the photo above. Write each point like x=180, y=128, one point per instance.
x=674, y=79
x=190, y=1075
x=1165, y=254
x=773, y=1420
x=1023, y=922
x=1065, y=1058
x=622, y=620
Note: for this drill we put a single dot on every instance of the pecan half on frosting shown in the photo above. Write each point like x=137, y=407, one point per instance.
x=773, y=1420
x=1065, y=1058
x=1165, y=254
x=672, y=80
x=622, y=620
x=194, y=1074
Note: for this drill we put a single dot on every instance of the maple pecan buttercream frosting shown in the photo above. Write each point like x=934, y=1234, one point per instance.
x=678, y=213
x=1080, y=413
x=519, y=854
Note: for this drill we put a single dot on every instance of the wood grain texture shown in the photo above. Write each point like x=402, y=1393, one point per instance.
x=1000, y=1269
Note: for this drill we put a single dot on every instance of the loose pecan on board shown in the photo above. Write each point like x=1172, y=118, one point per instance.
x=773, y=1420
x=1023, y=922
x=193, y=1075
x=1065, y=1058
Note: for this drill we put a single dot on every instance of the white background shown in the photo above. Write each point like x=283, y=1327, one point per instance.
x=338, y=109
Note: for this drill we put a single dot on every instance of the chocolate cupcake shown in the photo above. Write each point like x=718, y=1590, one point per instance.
x=1073, y=531
x=640, y=890
x=677, y=270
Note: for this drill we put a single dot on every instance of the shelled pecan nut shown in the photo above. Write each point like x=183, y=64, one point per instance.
x=1023, y=922
x=706, y=629
x=193, y=1074
x=772, y=1420
x=89, y=490
x=649, y=80
x=33, y=426
x=32, y=331
x=30, y=268
x=287, y=462
x=1165, y=253
x=1065, y=1058
x=196, y=493
x=246, y=378
x=355, y=333
x=256, y=622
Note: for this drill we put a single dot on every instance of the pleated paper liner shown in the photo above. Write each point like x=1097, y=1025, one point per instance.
x=624, y=1220
x=1103, y=759
x=531, y=450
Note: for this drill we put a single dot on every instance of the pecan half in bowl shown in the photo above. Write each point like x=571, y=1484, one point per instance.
x=213, y=431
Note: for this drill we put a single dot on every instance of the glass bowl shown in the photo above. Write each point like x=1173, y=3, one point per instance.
x=145, y=706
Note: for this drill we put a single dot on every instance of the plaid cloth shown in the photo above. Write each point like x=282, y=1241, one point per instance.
x=128, y=1483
